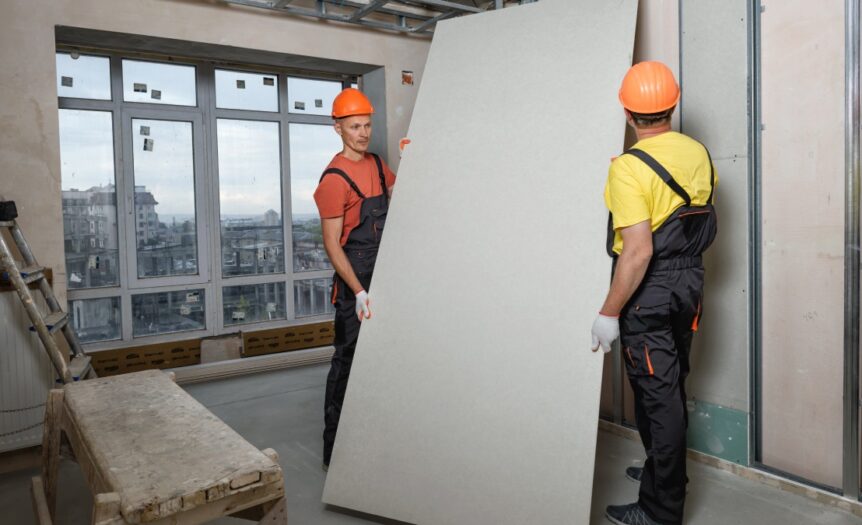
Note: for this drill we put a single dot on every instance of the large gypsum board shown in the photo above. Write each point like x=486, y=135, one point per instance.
x=474, y=395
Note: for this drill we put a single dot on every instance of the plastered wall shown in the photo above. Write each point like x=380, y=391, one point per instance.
x=29, y=143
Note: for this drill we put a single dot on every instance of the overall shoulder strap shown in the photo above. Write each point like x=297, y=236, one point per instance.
x=662, y=173
x=344, y=176
x=380, y=174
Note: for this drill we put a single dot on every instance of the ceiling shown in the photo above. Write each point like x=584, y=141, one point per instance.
x=405, y=16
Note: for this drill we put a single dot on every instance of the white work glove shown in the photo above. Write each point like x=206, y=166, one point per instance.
x=363, y=305
x=606, y=330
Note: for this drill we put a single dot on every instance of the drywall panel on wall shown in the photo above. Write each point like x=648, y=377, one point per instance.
x=803, y=237
x=714, y=110
x=719, y=358
x=474, y=396
x=715, y=75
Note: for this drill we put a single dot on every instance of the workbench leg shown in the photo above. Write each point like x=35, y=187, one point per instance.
x=277, y=513
x=40, y=506
x=51, y=447
x=106, y=509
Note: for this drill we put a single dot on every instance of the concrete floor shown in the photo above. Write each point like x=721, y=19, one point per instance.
x=282, y=410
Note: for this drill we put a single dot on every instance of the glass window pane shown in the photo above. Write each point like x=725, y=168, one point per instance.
x=89, y=198
x=164, y=198
x=236, y=90
x=313, y=297
x=158, y=83
x=161, y=313
x=96, y=319
x=83, y=77
x=253, y=303
x=311, y=97
x=312, y=146
x=249, y=159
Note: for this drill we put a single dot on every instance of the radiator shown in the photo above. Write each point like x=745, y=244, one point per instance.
x=26, y=375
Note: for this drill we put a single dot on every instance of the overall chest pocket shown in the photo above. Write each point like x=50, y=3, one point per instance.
x=378, y=221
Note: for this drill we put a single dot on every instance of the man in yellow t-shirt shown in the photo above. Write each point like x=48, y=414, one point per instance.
x=659, y=194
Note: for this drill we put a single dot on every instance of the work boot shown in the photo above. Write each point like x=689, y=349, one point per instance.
x=630, y=514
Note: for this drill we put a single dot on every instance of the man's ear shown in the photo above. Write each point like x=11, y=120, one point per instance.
x=337, y=127
x=629, y=117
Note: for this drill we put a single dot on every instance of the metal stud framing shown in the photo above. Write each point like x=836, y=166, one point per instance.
x=406, y=16
x=851, y=249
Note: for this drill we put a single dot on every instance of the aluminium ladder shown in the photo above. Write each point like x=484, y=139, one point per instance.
x=44, y=325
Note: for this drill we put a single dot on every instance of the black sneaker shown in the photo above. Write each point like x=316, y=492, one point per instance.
x=630, y=514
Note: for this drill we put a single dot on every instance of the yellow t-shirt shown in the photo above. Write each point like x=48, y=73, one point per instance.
x=635, y=193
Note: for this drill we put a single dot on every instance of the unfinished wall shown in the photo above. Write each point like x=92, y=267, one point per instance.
x=714, y=110
x=705, y=44
x=803, y=238
x=29, y=143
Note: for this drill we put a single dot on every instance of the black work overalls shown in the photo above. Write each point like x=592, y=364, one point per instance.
x=656, y=330
x=361, y=250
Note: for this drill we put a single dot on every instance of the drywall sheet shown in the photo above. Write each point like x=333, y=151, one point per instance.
x=802, y=186
x=474, y=396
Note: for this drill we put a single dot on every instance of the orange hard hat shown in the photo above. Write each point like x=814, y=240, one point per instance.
x=351, y=102
x=649, y=87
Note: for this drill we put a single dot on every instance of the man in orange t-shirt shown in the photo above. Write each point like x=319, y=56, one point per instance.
x=353, y=200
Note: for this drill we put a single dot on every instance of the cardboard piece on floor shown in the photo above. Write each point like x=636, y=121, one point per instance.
x=221, y=348
x=474, y=395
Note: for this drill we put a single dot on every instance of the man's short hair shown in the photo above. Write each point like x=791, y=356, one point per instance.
x=648, y=120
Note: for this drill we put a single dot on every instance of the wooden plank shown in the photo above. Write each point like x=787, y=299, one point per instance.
x=40, y=504
x=228, y=506
x=83, y=455
x=51, y=446
x=159, y=449
x=106, y=509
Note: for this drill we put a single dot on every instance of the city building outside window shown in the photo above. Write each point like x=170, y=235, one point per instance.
x=152, y=252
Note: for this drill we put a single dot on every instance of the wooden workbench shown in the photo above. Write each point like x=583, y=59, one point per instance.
x=152, y=454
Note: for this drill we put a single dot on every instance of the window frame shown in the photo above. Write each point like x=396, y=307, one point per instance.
x=204, y=117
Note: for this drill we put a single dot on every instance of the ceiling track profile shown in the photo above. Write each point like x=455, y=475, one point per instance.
x=405, y=16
